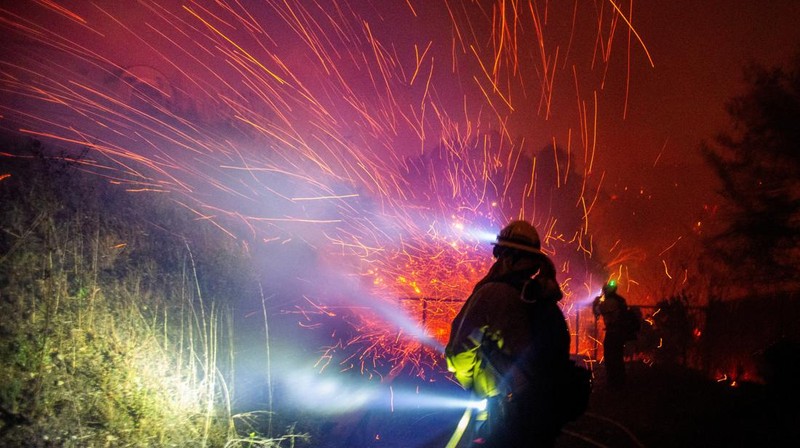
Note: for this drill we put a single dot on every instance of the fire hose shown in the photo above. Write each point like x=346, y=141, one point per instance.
x=460, y=429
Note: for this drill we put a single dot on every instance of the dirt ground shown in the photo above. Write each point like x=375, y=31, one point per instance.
x=673, y=407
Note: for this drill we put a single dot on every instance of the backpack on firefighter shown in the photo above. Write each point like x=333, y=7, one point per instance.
x=574, y=385
x=631, y=322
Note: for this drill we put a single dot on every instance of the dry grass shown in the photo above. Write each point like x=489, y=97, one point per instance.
x=114, y=329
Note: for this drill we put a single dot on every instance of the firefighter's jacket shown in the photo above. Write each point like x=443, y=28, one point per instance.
x=510, y=333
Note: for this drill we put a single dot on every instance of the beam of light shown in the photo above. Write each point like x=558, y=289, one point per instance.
x=474, y=233
x=587, y=301
x=329, y=395
x=408, y=399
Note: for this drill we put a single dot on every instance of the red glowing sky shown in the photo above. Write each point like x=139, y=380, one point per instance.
x=699, y=50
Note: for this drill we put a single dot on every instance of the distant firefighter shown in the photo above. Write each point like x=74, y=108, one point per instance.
x=617, y=318
x=510, y=344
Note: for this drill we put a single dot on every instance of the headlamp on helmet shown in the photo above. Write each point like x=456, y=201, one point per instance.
x=610, y=287
x=520, y=235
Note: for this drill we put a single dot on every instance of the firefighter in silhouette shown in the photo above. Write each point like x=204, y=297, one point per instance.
x=614, y=310
x=509, y=343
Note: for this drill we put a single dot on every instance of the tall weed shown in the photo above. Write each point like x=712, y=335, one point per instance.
x=114, y=329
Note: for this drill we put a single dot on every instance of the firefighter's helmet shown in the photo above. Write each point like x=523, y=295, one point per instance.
x=520, y=235
x=610, y=287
